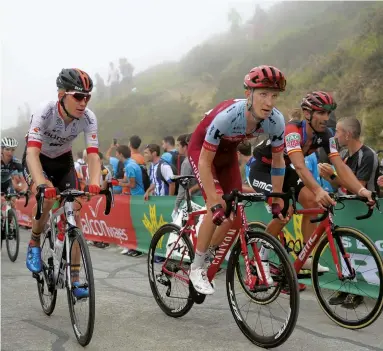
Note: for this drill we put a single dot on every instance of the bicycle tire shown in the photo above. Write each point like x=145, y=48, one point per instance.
x=85, y=338
x=257, y=225
x=288, y=326
x=12, y=215
x=163, y=230
x=370, y=246
x=48, y=276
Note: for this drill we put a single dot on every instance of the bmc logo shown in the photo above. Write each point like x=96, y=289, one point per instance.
x=262, y=185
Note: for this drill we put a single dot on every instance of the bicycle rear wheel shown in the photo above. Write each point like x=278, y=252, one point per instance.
x=45, y=282
x=367, y=282
x=12, y=237
x=280, y=318
x=168, y=264
x=81, y=306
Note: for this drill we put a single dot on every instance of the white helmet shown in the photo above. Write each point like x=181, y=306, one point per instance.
x=9, y=142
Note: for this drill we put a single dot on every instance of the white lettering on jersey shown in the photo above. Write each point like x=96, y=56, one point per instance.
x=48, y=131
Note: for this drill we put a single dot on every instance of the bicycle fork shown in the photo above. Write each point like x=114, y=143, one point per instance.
x=344, y=254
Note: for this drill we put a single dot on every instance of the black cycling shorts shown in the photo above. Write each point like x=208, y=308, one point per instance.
x=260, y=179
x=7, y=187
x=60, y=171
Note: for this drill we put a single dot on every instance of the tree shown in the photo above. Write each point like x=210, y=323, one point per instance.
x=100, y=86
x=235, y=20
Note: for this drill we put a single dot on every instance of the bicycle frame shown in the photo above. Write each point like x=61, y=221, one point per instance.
x=238, y=228
x=5, y=208
x=65, y=214
x=326, y=226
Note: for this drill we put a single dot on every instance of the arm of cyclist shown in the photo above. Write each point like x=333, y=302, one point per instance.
x=94, y=172
x=278, y=168
x=94, y=169
x=294, y=150
x=349, y=180
x=321, y=196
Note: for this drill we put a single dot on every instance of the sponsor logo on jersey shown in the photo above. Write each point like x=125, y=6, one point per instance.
x=293, y=141
x=333, y=146
x=94, y=136
x=218, y=134
x=262, y=185
x=36, y=130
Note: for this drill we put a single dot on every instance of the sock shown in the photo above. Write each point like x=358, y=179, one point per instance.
x=210, y=255
x=35, y=239
x=74, y=272
x=199, y=260
x=264, y=253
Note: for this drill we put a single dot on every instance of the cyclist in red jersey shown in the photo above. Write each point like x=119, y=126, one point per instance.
x=301, y=139
x=213, y=156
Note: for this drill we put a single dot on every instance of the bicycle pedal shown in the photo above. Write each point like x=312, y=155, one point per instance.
x=38, y=278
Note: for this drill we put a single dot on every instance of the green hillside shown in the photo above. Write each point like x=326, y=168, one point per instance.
x=333, y=46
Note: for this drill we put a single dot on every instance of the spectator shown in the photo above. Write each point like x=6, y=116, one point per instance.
x=186, y=169
x=158, y=187
x=104, y=178
x=363, y=161
x=168, y=146
x=133, y=180
x=245, y=158
x=77, y=166
x=117, y=166
x=380, y=181
x=113, y=79
x=134, y=144
x=312, y=162
x=132, y=171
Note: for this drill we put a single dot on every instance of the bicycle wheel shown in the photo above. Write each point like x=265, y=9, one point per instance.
x=367, y=281
x=285, y=312
x=13, y=236
x=81, y=306
x=45, y=282
x=169, y=261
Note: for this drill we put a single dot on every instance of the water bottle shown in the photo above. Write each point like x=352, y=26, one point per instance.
x=59, y=244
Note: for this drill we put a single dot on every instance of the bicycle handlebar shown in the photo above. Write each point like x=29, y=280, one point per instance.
x=237, y=196
x=18, y=195
x=71, y=194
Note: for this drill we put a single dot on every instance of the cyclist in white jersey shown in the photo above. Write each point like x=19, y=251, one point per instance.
x=48, y=161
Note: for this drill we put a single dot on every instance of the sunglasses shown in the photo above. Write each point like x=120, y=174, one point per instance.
x=79, y=96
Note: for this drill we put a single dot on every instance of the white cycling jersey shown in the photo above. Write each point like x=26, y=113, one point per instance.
x=48, y=132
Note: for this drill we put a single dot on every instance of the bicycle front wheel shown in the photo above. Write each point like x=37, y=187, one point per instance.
x=12, y=237
x=81, y=295
x=169, y=258
x=364, y=281
x=264, y=315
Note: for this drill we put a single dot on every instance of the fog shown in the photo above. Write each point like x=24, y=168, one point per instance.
x=42, y=37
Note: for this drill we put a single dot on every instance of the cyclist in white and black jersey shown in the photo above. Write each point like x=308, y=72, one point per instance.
x=48, y=161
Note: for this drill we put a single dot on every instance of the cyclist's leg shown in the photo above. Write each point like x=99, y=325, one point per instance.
x=198, y=274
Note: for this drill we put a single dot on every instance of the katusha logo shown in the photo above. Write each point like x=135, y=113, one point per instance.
x=95, y=226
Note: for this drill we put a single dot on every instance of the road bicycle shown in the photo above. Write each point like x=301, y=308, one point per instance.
x=175, y=244
x=61, y=263
x=10, y=230
x=355, y=264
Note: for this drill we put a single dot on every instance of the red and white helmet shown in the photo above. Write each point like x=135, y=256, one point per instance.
x=318, y=101
x=265, y=77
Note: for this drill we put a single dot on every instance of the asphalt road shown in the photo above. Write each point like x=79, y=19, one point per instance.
x=128, y=318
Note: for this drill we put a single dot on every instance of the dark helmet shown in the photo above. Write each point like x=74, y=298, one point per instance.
x=74, y=79
x=318, y=101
